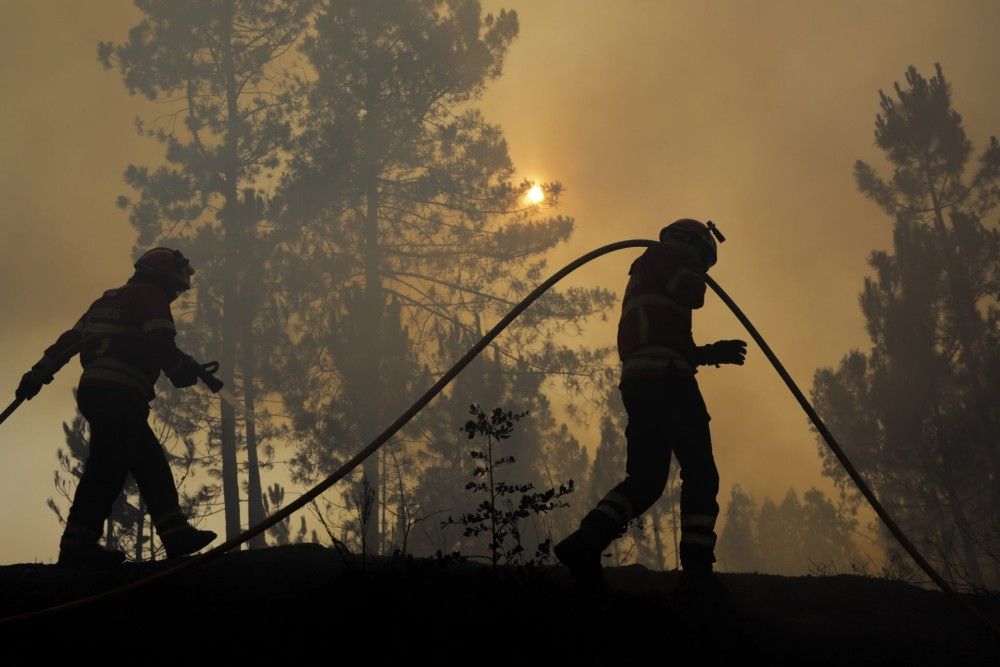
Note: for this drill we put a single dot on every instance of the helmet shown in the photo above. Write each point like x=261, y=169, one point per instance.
x=167, y=266
x=695, y=233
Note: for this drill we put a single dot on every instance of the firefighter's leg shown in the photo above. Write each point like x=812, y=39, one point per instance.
x=699, y=491
x=646, y=476
x=648, y=435
x=148, y=465
x=103, y=477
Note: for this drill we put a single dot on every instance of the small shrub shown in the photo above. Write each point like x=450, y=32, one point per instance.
x=498, y=514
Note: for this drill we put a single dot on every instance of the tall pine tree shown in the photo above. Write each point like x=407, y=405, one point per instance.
x=217, y=67
x=410, y=224
x=918, y=413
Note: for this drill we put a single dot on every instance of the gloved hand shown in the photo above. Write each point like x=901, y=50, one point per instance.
x=185, y=373
x=32, y=381
x=31, y=384
x=722, y=352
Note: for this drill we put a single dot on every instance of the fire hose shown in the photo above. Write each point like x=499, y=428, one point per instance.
x=445, y=379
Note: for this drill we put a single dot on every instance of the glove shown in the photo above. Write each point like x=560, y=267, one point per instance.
x=31, y=383
x=722, y=352
x=185, y=373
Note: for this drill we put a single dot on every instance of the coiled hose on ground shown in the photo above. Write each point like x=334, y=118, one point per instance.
x=452, y=372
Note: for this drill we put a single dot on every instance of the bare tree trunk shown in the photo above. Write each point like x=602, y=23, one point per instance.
x=139, y=525
x=383, y=510
x=227, y=358
x=493, y=504
x=109, y=534
x=404, y=520
x=255, y=497
x=372, y=390
x=657, y=541
x=673, y=526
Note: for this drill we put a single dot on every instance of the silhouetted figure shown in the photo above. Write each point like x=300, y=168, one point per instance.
x=119, y=372
x=666, y=412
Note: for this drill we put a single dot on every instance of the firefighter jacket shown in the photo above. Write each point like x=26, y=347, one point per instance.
x=138, y=344
x=654, y=333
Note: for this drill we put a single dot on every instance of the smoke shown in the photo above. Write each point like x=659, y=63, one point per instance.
x=750, y=114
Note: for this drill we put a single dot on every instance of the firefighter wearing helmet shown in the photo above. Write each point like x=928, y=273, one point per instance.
x=666, y=412
x=127, y=339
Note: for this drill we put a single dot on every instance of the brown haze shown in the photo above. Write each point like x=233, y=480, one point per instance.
x=748, y=113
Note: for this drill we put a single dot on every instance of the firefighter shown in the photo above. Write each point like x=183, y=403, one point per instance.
x=666, y=412
x=119, y=371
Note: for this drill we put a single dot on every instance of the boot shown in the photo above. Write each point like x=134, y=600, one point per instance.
x=78, y=548
x=181, y=538
x=581, y=551
x=700, y=583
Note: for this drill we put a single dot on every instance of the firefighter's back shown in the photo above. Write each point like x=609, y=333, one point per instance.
x=120, y=353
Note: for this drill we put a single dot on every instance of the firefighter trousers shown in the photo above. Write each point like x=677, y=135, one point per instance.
x=121, y=443
x=668, y=416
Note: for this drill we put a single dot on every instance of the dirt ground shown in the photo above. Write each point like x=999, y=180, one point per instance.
x=306, y=601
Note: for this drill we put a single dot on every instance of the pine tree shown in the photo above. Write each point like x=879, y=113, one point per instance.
x=410, y=228
x=216, y=66
x=779, y=534
x=826, y=533
x=918, y=413
x=737, y=550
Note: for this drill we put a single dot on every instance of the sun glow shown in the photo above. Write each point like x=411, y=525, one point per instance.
x=535, y=195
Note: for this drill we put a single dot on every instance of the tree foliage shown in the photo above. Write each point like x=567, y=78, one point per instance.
x=411, y=229
x=354, y=220
x=918, y=413
x=217, y=67
x=793, y=537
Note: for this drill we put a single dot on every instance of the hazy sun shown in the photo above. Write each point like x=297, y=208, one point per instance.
x=536, y=195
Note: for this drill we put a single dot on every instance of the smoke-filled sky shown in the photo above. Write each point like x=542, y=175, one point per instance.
x=747, y=113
